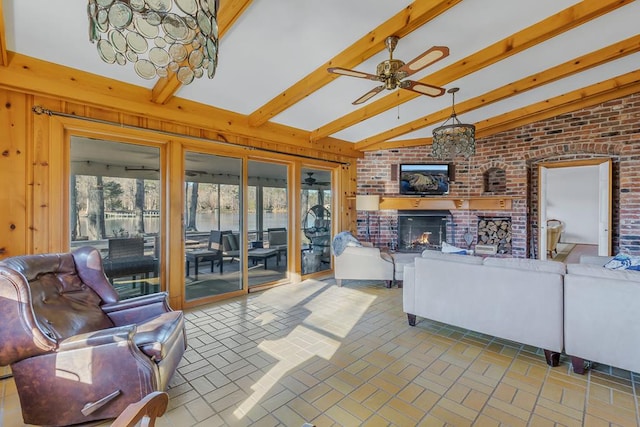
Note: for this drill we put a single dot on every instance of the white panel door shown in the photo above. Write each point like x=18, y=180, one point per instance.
x=604, y=204
x=604, y=208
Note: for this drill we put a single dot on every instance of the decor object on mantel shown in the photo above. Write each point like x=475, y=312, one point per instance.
x=368, y=203
x=158, y=36
x=450, y=140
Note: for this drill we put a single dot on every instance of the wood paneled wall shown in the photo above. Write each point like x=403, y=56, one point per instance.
x=34, y=170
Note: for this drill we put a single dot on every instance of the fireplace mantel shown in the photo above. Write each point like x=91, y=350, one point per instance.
x=491, y=203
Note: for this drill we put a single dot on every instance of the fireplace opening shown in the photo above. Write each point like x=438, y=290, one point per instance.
x=420, y=230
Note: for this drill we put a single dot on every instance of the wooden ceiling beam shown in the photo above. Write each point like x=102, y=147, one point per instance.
x=546, y=29
x=228, y=13
x=3, y=39
x=573, y=66
x=595, y=94
x=401, y=24
x=33, y=76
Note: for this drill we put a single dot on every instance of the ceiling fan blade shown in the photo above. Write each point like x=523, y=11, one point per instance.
x=367, y=96
x=353, y=73
x=422, y=88
x=432, y=55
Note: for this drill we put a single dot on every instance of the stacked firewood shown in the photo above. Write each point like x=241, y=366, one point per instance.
x=495, y=231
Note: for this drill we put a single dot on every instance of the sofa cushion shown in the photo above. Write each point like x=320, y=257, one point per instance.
x=63, y=305
x=595, y=259
x=604, y=273
x=546, y=266
x=466, y=259
x=623, y=262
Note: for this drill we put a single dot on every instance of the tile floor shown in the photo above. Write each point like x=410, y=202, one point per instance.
x=345, y=356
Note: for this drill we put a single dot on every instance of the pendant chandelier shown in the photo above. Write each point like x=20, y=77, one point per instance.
x=450, y=140
x=158, y=36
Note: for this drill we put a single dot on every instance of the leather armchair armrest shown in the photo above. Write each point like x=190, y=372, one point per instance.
x=137, y=310
x=98, y=338
x=140, y=301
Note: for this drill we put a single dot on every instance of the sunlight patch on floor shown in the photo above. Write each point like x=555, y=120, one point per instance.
x=333, y=312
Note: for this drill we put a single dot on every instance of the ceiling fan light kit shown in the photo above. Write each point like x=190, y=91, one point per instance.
x=456, y=138
x=158, y=36
x=391, y=72
x=311, y=181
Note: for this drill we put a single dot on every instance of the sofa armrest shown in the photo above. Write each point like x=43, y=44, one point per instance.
x=363, y=263
x=601, y=316
x=98, y=338
x=361, y=251
x=409, y=289
x=137, y=310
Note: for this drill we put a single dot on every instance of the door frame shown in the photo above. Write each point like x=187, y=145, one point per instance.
x=604, y=205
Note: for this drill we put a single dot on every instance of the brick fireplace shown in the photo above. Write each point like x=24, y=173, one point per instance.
x=609, y=130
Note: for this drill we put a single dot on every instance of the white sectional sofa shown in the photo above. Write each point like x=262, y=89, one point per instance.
x=516, y=299
x=601, y=315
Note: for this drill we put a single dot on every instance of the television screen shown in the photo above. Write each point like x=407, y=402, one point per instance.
x=424, y=178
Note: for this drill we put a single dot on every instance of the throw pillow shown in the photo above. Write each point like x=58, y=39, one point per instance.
x=624, y=262
x=450, y=249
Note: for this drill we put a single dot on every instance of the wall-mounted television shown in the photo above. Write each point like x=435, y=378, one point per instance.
x=424, y=178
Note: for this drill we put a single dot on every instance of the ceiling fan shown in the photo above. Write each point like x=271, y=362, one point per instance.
x=311, y=181
x=392, y=72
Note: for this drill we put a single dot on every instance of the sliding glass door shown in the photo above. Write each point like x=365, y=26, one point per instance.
x=316, y=210
x=268, y=213
x=213, y=232
x=115, y=207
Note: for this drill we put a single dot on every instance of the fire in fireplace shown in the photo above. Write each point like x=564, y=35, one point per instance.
x=420, y=230
x=423, y=239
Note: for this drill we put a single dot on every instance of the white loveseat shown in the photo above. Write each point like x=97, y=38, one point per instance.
x=363, y=263
x=516, y=299
x=601, y=315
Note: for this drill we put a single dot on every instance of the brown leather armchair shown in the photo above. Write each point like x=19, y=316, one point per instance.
x=76, y=351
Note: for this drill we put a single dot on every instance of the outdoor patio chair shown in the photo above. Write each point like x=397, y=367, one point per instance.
x=277, y=238
x=212, y=253
x=230, y=245
x=126, y=258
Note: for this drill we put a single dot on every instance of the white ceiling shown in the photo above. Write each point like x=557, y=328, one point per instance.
x=276, y=43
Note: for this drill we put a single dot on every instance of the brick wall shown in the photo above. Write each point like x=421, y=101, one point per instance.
x=609, y=130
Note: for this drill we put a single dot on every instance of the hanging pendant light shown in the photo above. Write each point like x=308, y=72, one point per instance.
x=158, y=36
x=455, y=138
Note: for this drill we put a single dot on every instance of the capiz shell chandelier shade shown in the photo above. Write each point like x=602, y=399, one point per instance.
x=157, y=36
x=450, y=140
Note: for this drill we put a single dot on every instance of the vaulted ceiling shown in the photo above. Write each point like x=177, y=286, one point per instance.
x=515, y=62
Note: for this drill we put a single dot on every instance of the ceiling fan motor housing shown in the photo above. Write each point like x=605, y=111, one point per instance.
x=387, y=70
